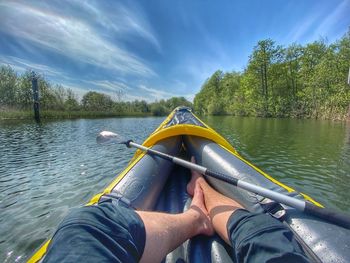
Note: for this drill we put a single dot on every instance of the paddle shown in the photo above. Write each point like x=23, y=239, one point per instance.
x=304, y=206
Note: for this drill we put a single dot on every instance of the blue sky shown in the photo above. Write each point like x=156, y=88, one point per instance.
x=154, y=49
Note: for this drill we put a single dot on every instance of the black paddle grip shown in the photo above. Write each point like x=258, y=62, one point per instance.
x=222, y=177
x=340, y=219
x=127, y=143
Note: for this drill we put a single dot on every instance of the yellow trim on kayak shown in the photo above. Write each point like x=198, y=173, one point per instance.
x=187, y=129
x=165, y=132
x=184, y=129
x=167, y=119
x=110, y=187
x=41, y=252
x=207, y=132
x=308, y=198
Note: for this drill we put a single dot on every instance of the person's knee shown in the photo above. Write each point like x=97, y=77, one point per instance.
x=106, y=230
x=262, y=237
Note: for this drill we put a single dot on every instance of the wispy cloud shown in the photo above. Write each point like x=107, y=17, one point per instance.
x=73, y=37
x=151, y=94
x=113, y=86
x=81, y=87
x=190, y=97
x=320, y=23
x=332, y=19
x=22, y=65
x=155, y=93
x=123, y=19
x=301, y=29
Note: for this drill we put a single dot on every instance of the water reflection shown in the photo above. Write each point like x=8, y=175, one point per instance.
x=310, y=155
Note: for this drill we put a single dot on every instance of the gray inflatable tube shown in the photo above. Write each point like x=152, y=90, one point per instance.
x=156, y=184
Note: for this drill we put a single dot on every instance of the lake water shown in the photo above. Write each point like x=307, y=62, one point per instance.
x=49, y=168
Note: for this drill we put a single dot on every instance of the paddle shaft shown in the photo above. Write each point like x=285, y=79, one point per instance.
x=304, y=206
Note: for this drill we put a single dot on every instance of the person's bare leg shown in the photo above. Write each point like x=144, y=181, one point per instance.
x=220, y=207
x=165, y=232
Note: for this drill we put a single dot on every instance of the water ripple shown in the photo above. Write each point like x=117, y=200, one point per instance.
x=47, y=169
x=308, y=155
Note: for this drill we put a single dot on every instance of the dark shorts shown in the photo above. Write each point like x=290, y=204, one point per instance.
x=114, y=232
x=262, y=238
x=108, y=232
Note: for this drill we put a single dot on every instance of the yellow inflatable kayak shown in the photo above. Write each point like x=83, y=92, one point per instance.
x=152, y=183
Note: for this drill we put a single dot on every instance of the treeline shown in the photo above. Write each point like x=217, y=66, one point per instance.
x=296, y=81
x=16, y=95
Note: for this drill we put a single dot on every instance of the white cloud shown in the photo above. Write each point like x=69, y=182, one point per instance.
x=73, y=37
x=124, y=20
x=80, y=87
x=22, y=65
x=151, y=94
x=329, y=22
x=78, y=90
x=318, y=24
x=190, y=97
x=301, y=29
x=109, y=85
x=155, y=93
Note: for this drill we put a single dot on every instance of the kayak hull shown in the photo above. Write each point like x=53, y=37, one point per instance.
x=152, y=183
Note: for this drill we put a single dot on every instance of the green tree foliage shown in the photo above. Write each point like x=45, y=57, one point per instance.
x=71, y=101
x=94, y=101
x=16, y=94
x=24, y=91
x=218, y=94
x=174, y=102
x=158, y=108
x=8, y=85
x=295, y=81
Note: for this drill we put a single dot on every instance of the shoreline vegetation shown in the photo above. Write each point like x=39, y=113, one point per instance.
x=51, y=114
x=296, y=81
x=57, y=102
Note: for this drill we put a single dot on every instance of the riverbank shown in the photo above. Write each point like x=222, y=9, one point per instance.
x=50, y=114
x=329, y=117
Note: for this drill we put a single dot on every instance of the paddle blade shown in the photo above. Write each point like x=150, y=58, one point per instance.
x=109, y=137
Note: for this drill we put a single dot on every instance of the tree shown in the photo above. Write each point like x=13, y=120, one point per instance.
x=158, y=109
x=24, y=99
x=8, y=79
x=94, y=101
x=71, y=102
x=205, y=101
x=265, y=54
